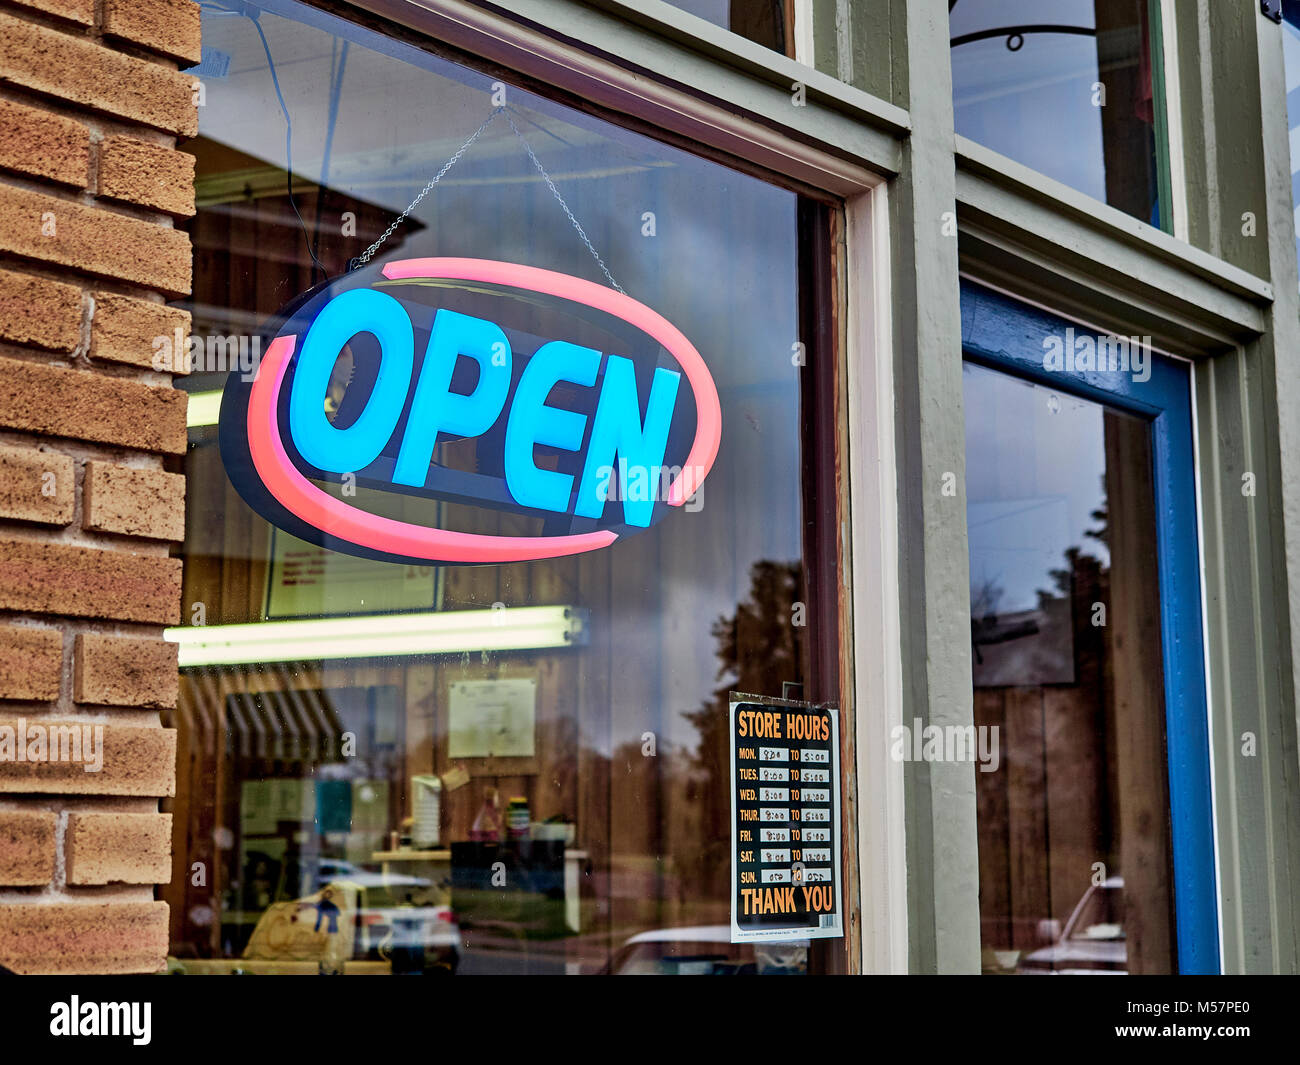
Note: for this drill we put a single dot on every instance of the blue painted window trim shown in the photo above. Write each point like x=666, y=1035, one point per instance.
x=1006, y=335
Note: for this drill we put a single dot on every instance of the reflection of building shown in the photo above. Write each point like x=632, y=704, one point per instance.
x=864, y=229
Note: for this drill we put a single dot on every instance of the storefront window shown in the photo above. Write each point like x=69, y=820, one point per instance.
x=765, y=22
x=1072, y=89
x=377, y=778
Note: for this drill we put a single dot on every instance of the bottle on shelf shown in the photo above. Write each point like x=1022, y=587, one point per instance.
x=517, y=821
x=487, y=824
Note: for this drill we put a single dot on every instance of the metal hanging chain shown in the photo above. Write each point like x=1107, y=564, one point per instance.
x=556, y=193
x=366, y=255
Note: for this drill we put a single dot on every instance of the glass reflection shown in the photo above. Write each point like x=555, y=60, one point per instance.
x=1291, y=54
x=554, y=811
x=1068, y=89
x=1074, y=844
x=764, y=22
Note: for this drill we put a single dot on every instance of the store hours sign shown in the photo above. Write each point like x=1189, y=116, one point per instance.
x=785, y=821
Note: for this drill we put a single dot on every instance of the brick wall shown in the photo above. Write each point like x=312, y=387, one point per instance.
x=91, y=103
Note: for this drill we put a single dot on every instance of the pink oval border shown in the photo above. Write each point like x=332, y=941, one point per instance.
x=323, y=511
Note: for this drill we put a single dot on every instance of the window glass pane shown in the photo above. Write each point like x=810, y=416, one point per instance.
x=1291, y=52
x=1065, y=88
x=1073, y=811
x=763, y=21
x=454, y=804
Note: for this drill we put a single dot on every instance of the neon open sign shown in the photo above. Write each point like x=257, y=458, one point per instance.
x=596, y=434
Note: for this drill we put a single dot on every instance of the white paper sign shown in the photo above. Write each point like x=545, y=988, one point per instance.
x=492, y=718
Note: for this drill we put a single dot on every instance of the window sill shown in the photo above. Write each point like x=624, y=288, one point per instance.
x=1069, y=240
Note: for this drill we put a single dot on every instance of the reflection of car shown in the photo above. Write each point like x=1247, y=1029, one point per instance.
x=396, y=919
x=413, y=939
x=330, y=869
x=705, y=950
x=1093, y=941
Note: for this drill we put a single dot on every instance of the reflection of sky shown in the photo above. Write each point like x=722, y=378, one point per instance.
x=1033, y=479
x=722, y=267
x=1291, y=52
x=1014, y=545
x=968, y=16
x=716, y=11
x=1035, y=104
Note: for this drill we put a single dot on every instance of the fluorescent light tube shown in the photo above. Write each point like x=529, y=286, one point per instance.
x=515, y=628
x=203, y=409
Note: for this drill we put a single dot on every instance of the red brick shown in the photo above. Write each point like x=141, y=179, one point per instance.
x=130, y=330
x=49, y=578
x=43, y=144
x=110, y=848
x=87, y=73
x=94, y=241
x=38, y=312
x=31, y=662
x=88, y=406
x=148, y=174
x=84, y=938
x=36, y=485
x=26, y=847
x=169, y=27
x=124, y=671
x=137, y=760
x=82, y=11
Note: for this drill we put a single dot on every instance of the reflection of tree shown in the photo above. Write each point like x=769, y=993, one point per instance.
x=985, y=597
x=1078, y=559
x=1081, y=582
x=758, y=649
x=1102, y=515
x=984, y=600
